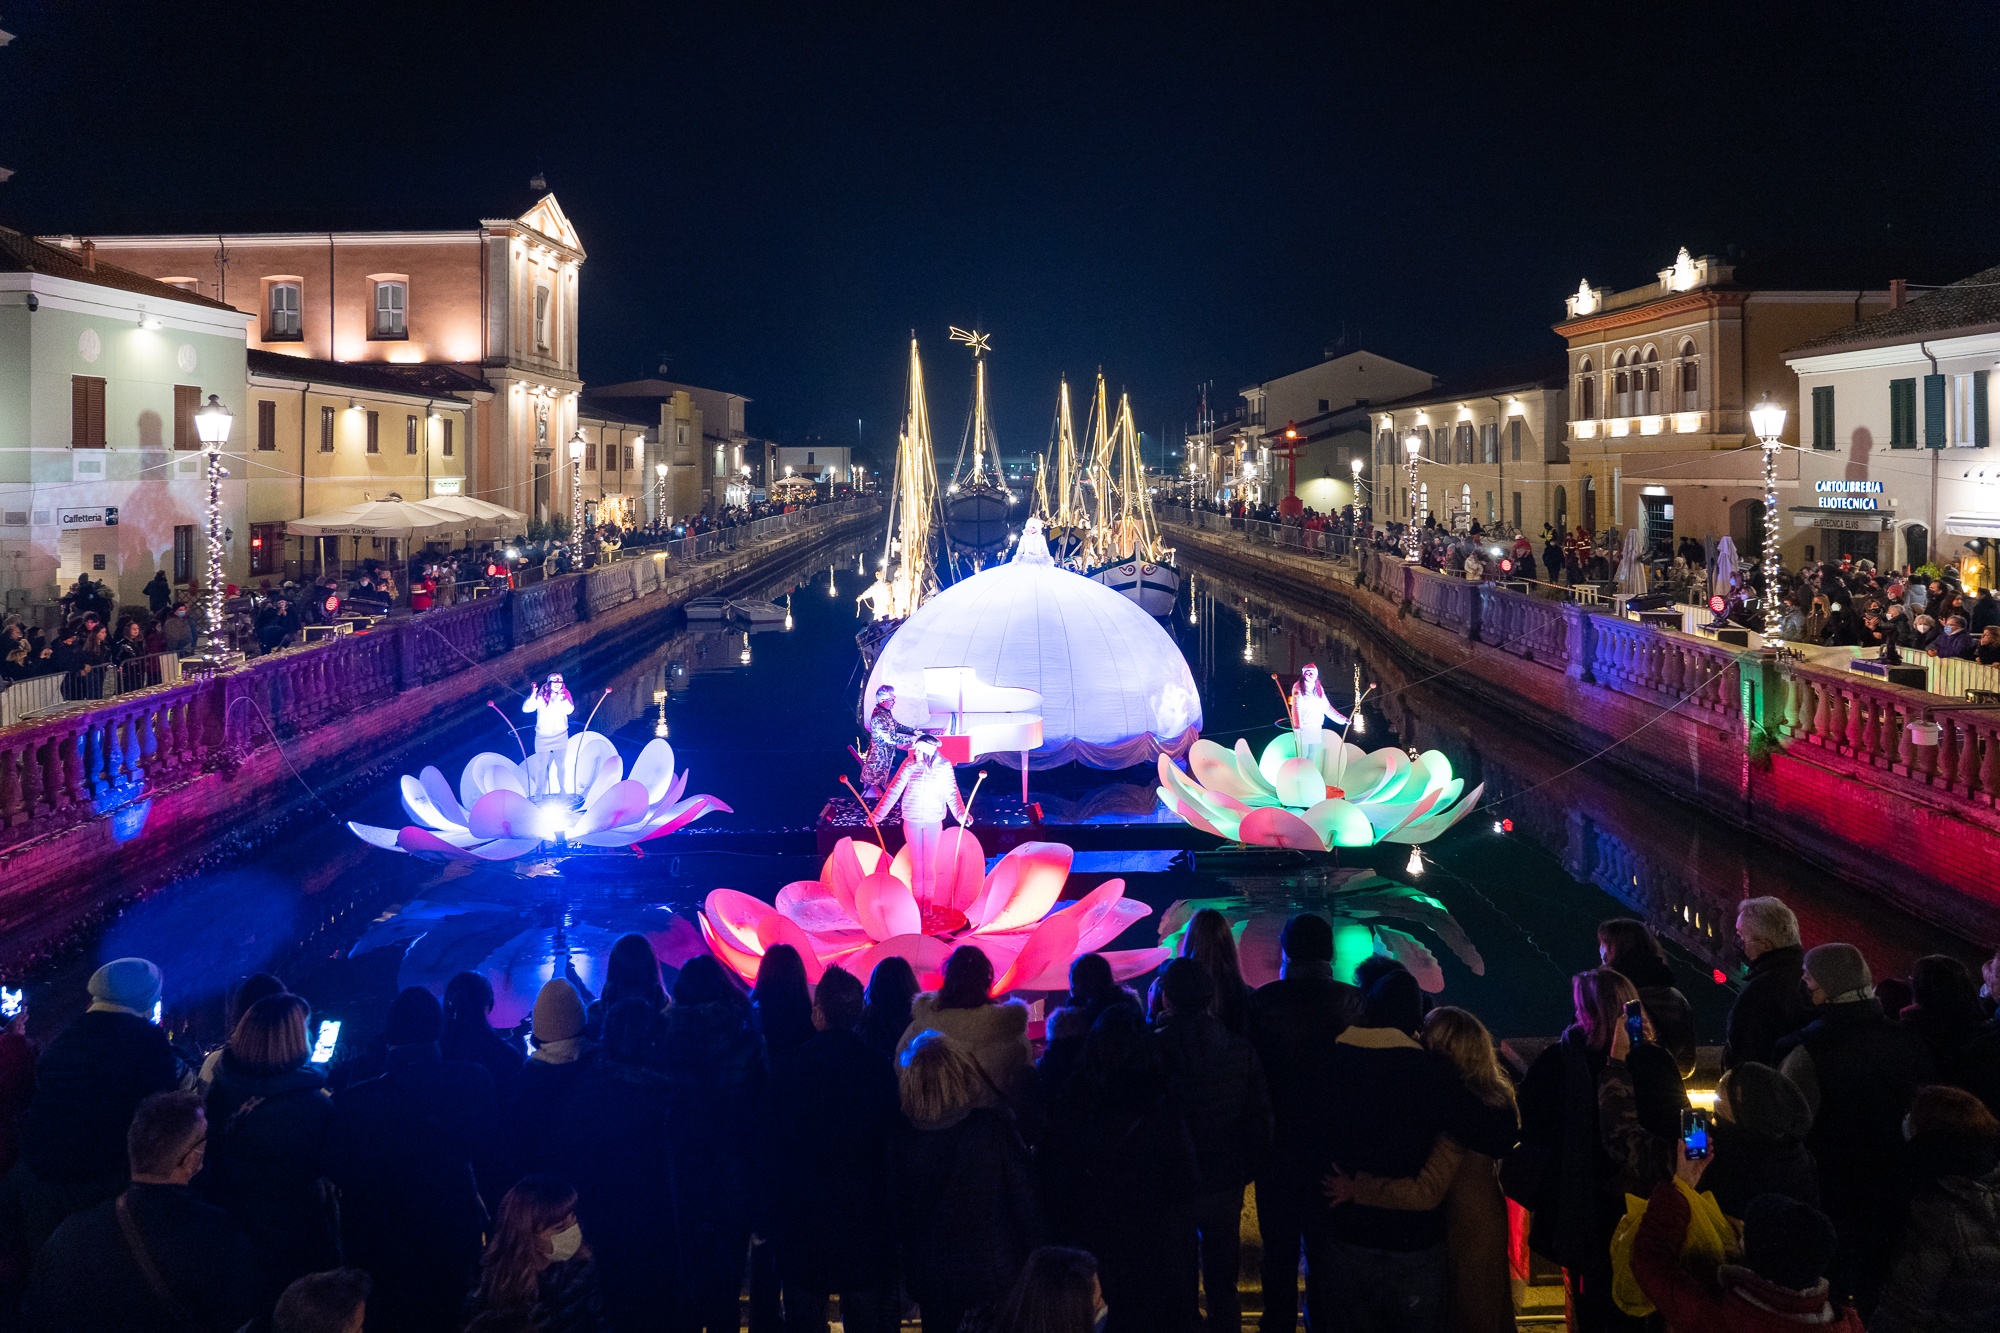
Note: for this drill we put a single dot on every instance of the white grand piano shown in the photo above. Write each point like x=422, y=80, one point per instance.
x=971, y=718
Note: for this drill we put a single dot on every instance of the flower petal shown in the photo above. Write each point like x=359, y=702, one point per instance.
x=1022, y=888
x=1272, y=827
x=742, y=962
x=655, y=768
x=677, y=817
x=885, y=907
x=1215, y=768
x=489, y=772
x=1129, y=963
x=847, y=865
x=959, y=850
x=504, y=814
x=1300, y=783
x=1340, y=823
x=1052, y=945
x=617, y=806
x=385, y=838
x=813, y=906
x=778, y=929
x=442, y=796
x=1103, y=914
x=736, y=917
x=925, y=954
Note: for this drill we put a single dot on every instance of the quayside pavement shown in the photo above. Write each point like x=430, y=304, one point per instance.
x=103, y=803
x=1824, y=762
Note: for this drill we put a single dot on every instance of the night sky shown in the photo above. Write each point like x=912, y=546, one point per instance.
x=773, y=196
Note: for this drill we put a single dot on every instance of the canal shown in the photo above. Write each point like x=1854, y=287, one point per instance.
x=762, y=720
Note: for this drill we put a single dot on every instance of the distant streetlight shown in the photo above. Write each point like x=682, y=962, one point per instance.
x=211, y=426
x=1768, y=420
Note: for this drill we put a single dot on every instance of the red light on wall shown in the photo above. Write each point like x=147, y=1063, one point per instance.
x=256, y=543
x=1720, y=979
x=1506, y=826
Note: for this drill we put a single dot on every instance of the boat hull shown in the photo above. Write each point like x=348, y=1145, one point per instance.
x=976, y=520
x=1153, y=587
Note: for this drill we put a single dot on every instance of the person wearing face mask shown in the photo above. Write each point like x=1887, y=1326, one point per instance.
x=177, y=632
x=537, y=1262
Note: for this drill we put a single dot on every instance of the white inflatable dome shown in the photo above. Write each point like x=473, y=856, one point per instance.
x=1115, y=689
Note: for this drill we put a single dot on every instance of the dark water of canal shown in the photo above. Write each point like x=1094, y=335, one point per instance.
x=762, y=720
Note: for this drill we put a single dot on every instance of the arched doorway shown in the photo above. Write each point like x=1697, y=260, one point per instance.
x=1916, y=544
x=1589, y=503
x=1562, y=510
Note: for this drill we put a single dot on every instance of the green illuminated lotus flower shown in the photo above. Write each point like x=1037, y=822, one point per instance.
x=1348, y=798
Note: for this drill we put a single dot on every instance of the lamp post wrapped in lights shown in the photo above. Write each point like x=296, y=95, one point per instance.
x=660, y=502
x=1768, y=420
x=1355, y=464
x=211, y=426
x=576, y=446
x=1411, y=444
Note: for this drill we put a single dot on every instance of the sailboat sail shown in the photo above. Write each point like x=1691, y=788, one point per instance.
x=906, y=574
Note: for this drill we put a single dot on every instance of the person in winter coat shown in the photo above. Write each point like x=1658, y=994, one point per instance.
x=1577, y=1189
x=1092, y=990
x=1757, y=1141
x=1944, y=1010
x=1215, y=1081
x=470, y=1039
x=1294, y=1023
x=1118, y=1174
x=18, y=1054
x=159, y=593
x=993, y=1033
x=538, y=1262
x=1858, y=1071
x=1947, y=1273
x=632, y=971
x=89, y=1277
x=834, y=1116
x=1630, y=948
x=250, y=990
x=963, y=1186
x=1463, y=1177
x=716, y=1069
x=1772, y=1003
x=90, y=1080
x=1210, y=942
x=401, y=1147
x=268, y=1116
x=892, y=989
x=611, y=1141
x=559, y=1057
x=1779, y=1287
x=782, y=1000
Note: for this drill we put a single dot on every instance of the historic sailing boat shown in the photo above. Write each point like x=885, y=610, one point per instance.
x=1059, y=486
x=977, y=502
x=907, y=573
x=1125, y=537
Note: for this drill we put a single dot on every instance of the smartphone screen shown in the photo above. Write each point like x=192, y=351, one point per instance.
x=1694, y=1132
x=12, y=1002
x=1635, y=1022
x=328, y=1039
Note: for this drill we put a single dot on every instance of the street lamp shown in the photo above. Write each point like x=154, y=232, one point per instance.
x=1768, y=420
x=576, y=447
x=211, y=425
x=660, y=500
x=1411, y=444
x=1355, y=464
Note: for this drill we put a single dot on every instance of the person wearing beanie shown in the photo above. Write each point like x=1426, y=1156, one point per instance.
x=1780, y=1284
x=1757, y=1141
x=1385, y=1103
x=1858, y=1070
x=408, y=1149
x=1294, y=1022
x=559, y=1057
x=88, y=1084
x=1947, y=1272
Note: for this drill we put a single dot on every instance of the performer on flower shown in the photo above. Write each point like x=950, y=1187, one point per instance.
x=886, y=737
x=551, y=705
x=927, y=786
x=1311, y=709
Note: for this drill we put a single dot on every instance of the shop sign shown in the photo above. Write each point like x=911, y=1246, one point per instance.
x=1848, y=494
x=102, y=516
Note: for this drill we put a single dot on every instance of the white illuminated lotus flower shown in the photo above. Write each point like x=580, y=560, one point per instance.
x=580, y=794
x=862, y=909
x=1349, y=798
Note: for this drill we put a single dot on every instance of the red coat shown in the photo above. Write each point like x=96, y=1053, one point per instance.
x=1738, y=1301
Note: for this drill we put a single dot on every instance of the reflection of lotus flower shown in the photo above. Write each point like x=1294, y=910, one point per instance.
x=862, y=909
x=1350, y=798
x=579, y=794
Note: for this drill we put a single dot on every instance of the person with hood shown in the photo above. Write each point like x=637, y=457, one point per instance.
x=538, y=1263
x=834, y=1117
x=632, y=971
x=1779, y=1287
x=1772, y=1003
x=1294, y=1022
x=402, y=1147
x=1944, y=1011
x=88, y=1083
x=1858, y=1071
x=268, y=1115
x=1631, y=949
x=992, y=1032
x=558, y=1058
x=159, y=593
x=1575, y=1188
x=1947, y=1273
x=611, y=1143
x=964, y=1193
x=1215, y=1081
x=716, y=1069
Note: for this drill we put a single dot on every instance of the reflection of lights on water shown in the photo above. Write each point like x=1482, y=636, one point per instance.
x=744, y=656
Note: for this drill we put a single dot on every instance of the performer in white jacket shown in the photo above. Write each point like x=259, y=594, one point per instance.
x=1311, y=709
x=927, y=785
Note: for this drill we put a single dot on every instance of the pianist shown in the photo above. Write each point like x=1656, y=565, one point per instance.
x=886, y=736
x=927, y=786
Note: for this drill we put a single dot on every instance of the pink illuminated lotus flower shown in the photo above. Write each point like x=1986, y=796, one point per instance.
x=862, y=909
x=579, y=795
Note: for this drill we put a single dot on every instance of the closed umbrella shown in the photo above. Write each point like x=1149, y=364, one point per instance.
x=1631, y=568
x=1725, y=565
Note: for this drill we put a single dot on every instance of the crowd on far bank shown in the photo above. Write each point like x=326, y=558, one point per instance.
x=676, y=1153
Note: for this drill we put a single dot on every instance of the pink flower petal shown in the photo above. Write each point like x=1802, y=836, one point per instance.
x=680, y=816
x=885, y=907
x=503, y=814
x=743, y=964
x=618, y=804
x=925, y=954
x=1052, y=945
x=778, y=929
x=736, y=916
x=813, y=906
x=847, y=865
x=960, y=850
x=1272, y=827
x=1022, y=888
x=1129, y=963
x=426, y=843
x=1103, y=914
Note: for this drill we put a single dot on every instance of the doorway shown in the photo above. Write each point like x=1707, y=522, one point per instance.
x=1916, y=544
x=1659, y=524
x=1589, y=503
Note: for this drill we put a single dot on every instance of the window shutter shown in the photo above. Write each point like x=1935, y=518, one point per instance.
x=1981, y=431
x=326, y=430
x=448, y=424
x=1902, y=414
x=1934, y=432
x=410, y=435
x=267, y=424
x=1514, y=449
x=1822, y=402
x=374, y=432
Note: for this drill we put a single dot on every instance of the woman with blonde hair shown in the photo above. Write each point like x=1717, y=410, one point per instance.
x=965, y=1195
x=537, y=1262
x=1463, y=1178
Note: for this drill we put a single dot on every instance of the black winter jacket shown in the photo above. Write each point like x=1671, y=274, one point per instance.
x=267, y=1167
x=88, y=1083
x=1217, y=1082
x=1294, y=1023
x=86, y=1280
x=1772, y=1005
x=965, y=1200
x=833, y=1120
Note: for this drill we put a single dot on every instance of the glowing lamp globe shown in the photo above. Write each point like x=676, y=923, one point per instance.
x=1768, y=420
x=1411, y=444
x=211, y=424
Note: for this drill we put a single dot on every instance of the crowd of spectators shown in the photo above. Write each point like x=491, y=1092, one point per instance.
x=675, y=1153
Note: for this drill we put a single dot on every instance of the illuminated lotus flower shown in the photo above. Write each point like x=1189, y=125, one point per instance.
x=579, y=794
x=1350, y=798
x=862, y=909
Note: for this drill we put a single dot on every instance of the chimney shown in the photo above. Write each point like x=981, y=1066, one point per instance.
x=90, y=255
x=1899, y=292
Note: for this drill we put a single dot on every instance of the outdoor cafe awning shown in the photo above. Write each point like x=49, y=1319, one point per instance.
x=377, y=518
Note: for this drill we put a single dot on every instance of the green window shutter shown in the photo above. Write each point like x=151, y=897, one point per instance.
x=1981, y=431
x=1822, y=403
x=1902, y=414
x=1934, y=432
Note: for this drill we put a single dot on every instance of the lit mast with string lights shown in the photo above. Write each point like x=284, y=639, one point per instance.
x=211, y=425
x=1768, y=420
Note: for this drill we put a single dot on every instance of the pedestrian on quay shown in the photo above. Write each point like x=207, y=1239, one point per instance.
x=331, y=1302
x=993, y=1032
x=468, y=1037
x=1058, y=1292
x=632, y=971
x=558, y=1058
x=1946, y=1277
x=1092, y=990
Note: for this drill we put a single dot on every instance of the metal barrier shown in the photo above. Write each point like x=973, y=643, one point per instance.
x=39, y=695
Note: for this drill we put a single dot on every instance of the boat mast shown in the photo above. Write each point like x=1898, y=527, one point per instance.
x=982, y=424
x=916, y=484
x=1068, y=506
x=1100, y=475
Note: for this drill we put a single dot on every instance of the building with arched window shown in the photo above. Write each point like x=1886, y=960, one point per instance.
x=1489, y=447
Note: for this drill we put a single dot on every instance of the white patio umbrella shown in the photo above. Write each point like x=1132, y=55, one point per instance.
x=1631, y=568
x=483, y=511
x=1725, y=565
x=376, y=518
